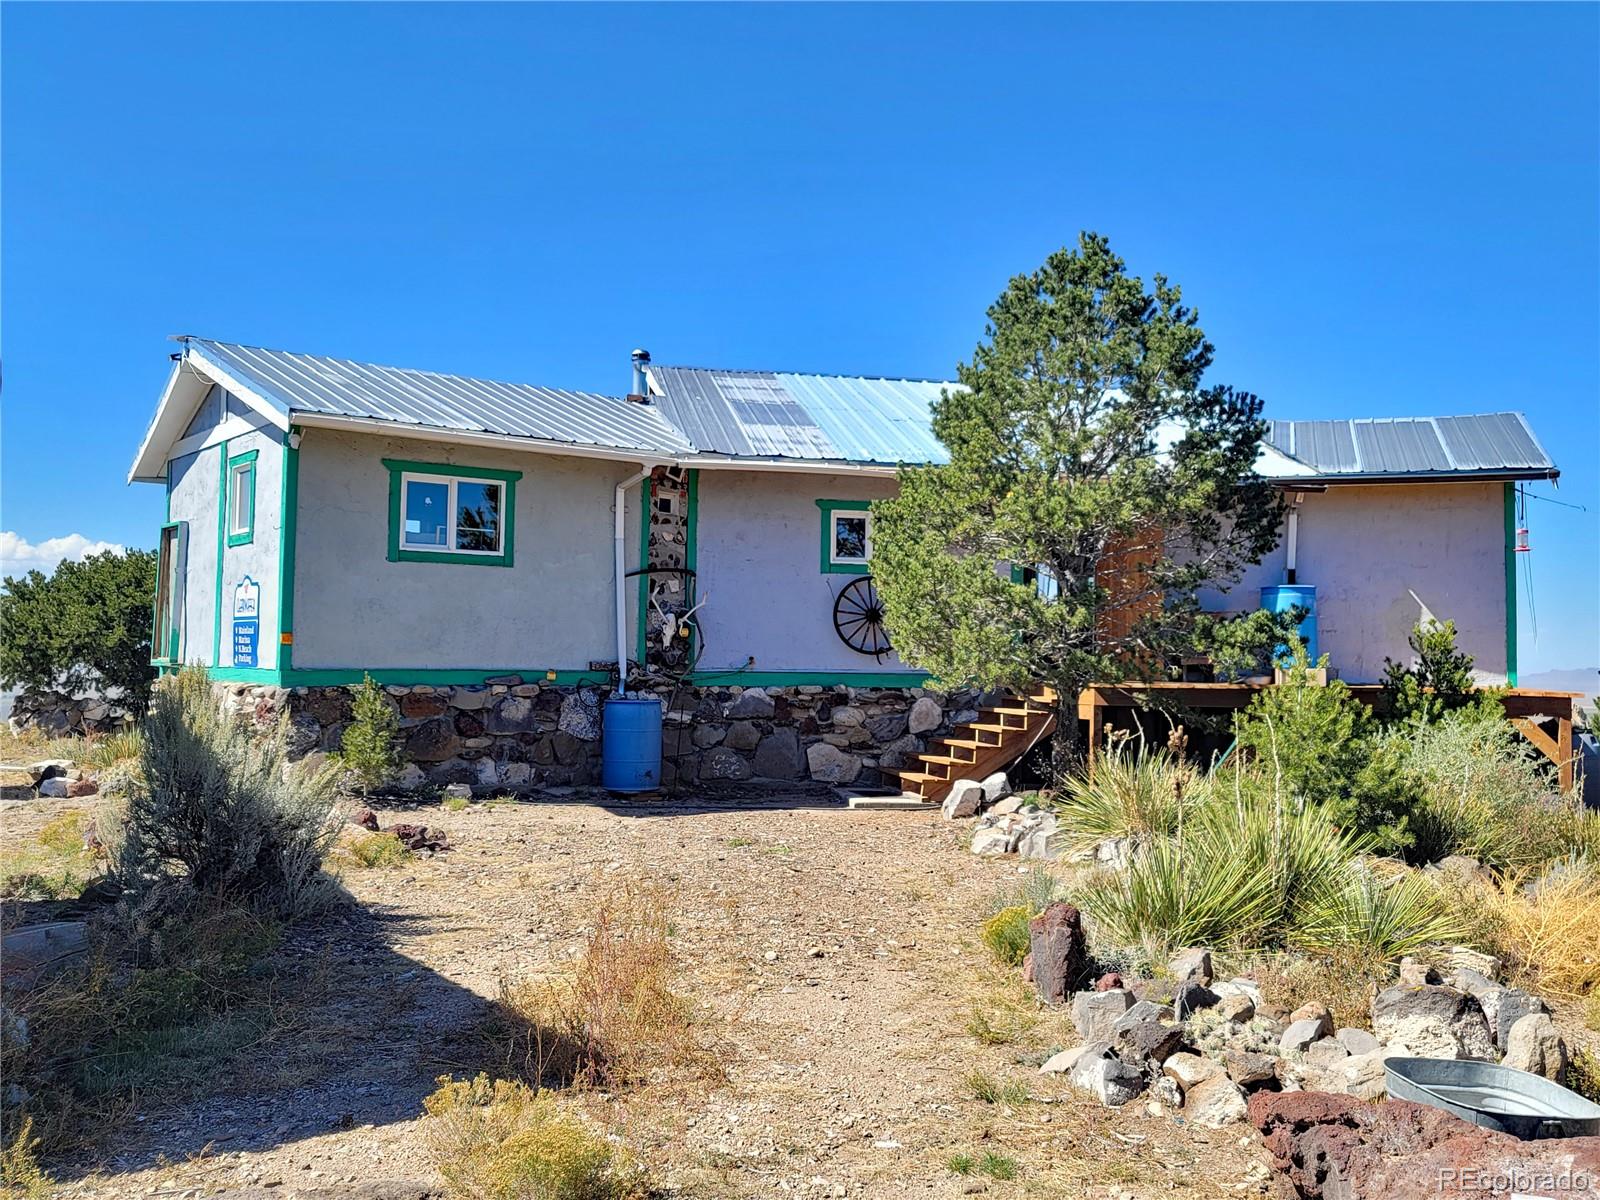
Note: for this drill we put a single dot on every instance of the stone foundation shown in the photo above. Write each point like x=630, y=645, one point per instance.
x=59, y=715
x=514, y=735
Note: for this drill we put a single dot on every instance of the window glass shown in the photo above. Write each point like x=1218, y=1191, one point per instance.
x=169, y=590
x=427, y=513
x=240, y=498
x=850, y=537
x=477, y=515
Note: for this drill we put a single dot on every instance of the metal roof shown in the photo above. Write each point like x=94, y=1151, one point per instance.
x=1493, y=444
x=816, y=418
x=309, y=383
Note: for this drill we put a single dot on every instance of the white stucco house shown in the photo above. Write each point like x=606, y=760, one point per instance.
x=468, y=542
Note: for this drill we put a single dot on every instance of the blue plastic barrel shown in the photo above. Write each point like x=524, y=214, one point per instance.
x=1285, y=596
x=630, y=744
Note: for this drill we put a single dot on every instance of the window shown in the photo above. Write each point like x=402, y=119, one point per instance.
x=241, y=498
x=439, y=512
x=846, y=537
x=166, y=641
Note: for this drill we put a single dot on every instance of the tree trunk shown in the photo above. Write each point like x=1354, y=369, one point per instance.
x=1066, y=747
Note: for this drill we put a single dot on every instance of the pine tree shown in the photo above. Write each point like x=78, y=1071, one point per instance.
x=370, y=746
x=1439, y=681
x=1081, y=427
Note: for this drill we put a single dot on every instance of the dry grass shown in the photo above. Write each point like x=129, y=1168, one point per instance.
x=614, y=1018
x=1344, y=981
x=55, y=865
x=370, y=850
x=504, y=1141
x=21, y=1177
x=1551, y=938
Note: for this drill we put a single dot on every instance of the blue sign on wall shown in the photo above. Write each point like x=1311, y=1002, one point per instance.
x=246, y=624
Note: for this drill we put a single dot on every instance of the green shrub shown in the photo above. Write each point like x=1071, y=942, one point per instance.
x=115, y=749
x=20, y=1175
x=497, y=1140
x=990, y=1090
x=1583, y=1075
x=1006, y=935
x=376, y=850
x=1035, y=889
x=960, y=1163
x=996, y=1165
x=1438, y=680
x=1133, y=793
x=220, y=817
x=370, y=746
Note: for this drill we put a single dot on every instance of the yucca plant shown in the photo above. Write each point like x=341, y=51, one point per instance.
x=1134, y=792
x=1388, y=912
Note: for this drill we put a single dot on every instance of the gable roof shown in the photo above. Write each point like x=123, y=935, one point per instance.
x=1498, y=445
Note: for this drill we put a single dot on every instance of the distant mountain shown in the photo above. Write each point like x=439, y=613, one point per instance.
x=1584, y=679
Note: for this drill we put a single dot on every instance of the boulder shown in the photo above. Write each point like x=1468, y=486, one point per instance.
x=778, y=756
x=847, y=716
x=54, y=788
x=1313, y=1010
x=1237, y=1008
x=1215, y=1102
x=1533, y=1045
x=1436, y=1022
x=1191, y=997
x=1142, y=1010
x=1509, y=1005
x=1323, y=1054
x=1249, y=1069
x=421, y=707
x=829, y=764
x=411, y=777
x=302, y=735
x=1416, y=974
x=1109, y=1080
x=751, y=703
x=1357, y=1041
x=887, y=727
x=706, y=734
x=964, y=800
x=1304, y=1033
x=742, y=735
x=1060, y=952
x=1360, y=1075
x=925, y=716
x=1165, y=1091
x=1038, y=840
x=470, y=699
x=1464, y=958
x=1095, y=1014
x=900, y=752
x=1188, y=1069
x=1149, y=1041
x=1238, y=986
x=512, y=714
x=433, y=741
x=720, y=762
x=580, y=715
x=1060, y=1064
x=991, y=842
x=49, y=768
x=996, y=788
x=1108, y=981
x=1192, y=965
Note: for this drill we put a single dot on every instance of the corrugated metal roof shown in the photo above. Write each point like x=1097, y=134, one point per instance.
x=815, y=418
x=308, y=383
x=1498, y=444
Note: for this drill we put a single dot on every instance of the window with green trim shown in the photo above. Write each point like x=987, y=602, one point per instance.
x=166, y=640
x=440, y=512
x=241, y=498
x=846, y=536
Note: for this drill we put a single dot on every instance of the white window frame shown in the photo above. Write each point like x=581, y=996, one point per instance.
x=451, y=509
x=833, y=537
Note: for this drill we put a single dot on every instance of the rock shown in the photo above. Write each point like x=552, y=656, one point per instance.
x=1533, y=1045
x=751, y=703
x=422, y=706
x=925, y=716
x=1357, y=1041
x=996, y=788
x=366, y=819
x=1416, y=974
x=886, y=728
x=1060, y=952
x=706, y=734
x=1330, y=1147
x=433, y=741
x=1237, y=1008
x=778, y=756
x=410, y=777
x=1302, y=1034
x=457, y=791
x=1190, y=998
x=964, y=800
x=991, y=842
x=580, y=715
x=1095, y=1014
x=49, y=768
x=1325, y=1053
x=847, y=716
x=512, y=714
x=1166, y=1091
x=54, y=788
x=1108, y=981
x=1188, y=1069
x=1312, y=1010
x=1143, y=1010
x=1109, y=1080
x=1038, y=840
x=487, y=771
x=1436, y=1022
x=720, y=762
x=1360, y=1075
x=516, y=774
x=829, y=764
x=1249, y=1069
x=1215, y=1102
x=1238, y=986
x=1464, y=958
x=1192, y=965
x=35, y=952
x=1027, y=967
x=303, y=735
x=1004, y=808
x=899, y=753
x=1148, y=1041
x=742, y=735
x=1060, y=1064
x=1510, y=1005
x=470, y=699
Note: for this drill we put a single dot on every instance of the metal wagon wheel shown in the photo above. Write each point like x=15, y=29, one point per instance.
x=858, y=618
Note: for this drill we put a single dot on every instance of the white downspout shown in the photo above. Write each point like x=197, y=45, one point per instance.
x=619, y=571
x=1291, y=549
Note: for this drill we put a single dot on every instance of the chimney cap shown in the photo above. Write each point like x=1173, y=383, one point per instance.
x=641, y=356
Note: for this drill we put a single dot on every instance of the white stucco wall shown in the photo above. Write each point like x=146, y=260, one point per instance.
x=1382, y=557
x=552, y=609
x=257, y=559
x=758, y=571
x=192, y=499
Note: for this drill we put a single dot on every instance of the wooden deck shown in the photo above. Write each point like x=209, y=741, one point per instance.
x=1533, y=712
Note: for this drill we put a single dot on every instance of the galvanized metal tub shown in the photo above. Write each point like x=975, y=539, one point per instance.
x=1496, y=1097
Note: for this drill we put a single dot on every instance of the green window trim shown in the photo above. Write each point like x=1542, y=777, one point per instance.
x=829, y=565
x=241, y=537
x=400, y=467
x=172, y=636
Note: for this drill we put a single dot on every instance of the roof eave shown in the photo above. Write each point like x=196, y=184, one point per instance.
x=473, y=437
x=1488, y=475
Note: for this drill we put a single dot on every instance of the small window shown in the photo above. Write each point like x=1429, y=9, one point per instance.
x=241, y=498
x=846, y=536
x=440, y=513
x=166, y=641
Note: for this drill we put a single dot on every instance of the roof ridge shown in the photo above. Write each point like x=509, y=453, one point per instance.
x=811, y=374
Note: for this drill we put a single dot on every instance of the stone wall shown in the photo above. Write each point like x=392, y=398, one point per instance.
x=58, y=715
x=515, y=735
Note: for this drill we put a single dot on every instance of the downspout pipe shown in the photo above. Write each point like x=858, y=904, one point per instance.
x=619, y=576
x=1291, y=550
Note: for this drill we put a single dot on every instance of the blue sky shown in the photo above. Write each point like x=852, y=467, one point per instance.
x=1377, y=210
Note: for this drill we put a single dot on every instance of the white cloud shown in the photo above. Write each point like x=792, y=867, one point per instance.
x=18, y=555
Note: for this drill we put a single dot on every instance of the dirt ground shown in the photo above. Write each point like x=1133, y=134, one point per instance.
x=833, y=953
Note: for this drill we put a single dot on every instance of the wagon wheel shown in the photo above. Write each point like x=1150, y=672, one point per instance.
x=858, y=618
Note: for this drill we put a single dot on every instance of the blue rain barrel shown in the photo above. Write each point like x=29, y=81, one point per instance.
x=630, y=744
x=1296, y=595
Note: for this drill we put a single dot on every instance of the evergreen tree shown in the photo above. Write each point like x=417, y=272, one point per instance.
x=1438, y=681
x=370, y=746
x=1081, y=431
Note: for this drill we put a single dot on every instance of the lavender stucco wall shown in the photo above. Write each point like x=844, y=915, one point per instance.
x=1382, y=557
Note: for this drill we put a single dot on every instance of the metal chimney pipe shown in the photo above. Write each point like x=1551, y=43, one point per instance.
x=641, y=386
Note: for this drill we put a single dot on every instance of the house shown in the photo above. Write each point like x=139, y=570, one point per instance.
x=489, y=551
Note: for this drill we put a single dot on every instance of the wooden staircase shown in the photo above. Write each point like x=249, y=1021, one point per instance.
x=996, y=739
